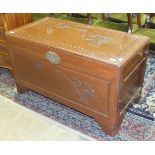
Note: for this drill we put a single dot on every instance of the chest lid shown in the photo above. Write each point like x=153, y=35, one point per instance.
x=96, y=43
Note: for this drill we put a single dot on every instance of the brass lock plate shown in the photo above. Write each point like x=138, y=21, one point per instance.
x=52, y=57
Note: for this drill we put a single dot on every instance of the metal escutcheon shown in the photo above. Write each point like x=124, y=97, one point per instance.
x=52, y=57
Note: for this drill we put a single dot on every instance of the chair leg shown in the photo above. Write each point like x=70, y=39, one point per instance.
x=129, y=16
x=147, y=23
x=104, y=16
x=90, y=21
x=51, y=15
x=139, y=20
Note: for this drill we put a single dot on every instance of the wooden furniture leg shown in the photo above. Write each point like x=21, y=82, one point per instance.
x=21, y=88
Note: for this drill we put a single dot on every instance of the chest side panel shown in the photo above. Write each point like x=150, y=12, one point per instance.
x=132, y=78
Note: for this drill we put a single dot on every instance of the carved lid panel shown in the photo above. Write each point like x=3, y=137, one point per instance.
x=101, y=44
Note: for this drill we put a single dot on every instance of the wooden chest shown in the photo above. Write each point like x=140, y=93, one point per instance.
x=94, y=70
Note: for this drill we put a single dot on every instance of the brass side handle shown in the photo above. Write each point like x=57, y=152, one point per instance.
x=53, y=57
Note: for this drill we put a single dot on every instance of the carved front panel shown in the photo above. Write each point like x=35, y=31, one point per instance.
x=84, y=90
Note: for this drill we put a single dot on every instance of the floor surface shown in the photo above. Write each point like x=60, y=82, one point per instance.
x=20, y=123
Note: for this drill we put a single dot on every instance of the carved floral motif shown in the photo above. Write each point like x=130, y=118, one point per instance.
x=97, y=39
x=63, y=26
x=84, y=90
x=81, y=88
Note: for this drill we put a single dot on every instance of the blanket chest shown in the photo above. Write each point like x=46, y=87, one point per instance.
x=94, y=70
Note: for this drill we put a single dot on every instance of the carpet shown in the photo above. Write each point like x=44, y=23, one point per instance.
x=133, y=126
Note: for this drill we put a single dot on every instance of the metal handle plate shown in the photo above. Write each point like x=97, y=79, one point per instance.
x=52, y=57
